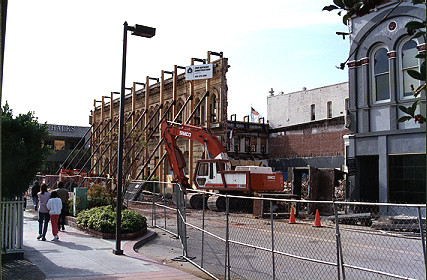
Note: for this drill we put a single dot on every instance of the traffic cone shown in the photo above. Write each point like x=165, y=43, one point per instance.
x=292, y=217
x=317, y=219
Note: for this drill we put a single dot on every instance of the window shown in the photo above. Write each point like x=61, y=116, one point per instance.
x=380, y=82
x=202, y=113
x=213, y=109
x=59, y=145
x=313, y=112
x=219, y=167
x=236, y=148
x=236, y=144
x=408, y=61
x=169, y=113
x=407, y=177
x=197, y=114
x=347, y=112
x=150, y=115
x=203, y=169
x=247, y=144
x=329, y=108
x=156, y=120
x=253, y=148
x=178, y=108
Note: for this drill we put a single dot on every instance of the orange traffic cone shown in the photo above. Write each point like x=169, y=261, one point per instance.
x=317, y=219
x=292, y=217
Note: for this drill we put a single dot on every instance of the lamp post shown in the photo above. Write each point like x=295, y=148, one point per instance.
x=142, y=31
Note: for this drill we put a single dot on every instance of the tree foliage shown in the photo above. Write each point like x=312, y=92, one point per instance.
x=22, y=151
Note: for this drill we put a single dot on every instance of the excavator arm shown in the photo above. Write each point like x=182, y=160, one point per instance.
x=170, y=131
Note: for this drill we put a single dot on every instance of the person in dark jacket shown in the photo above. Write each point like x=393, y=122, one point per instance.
x=34, y=190
x=64, y=196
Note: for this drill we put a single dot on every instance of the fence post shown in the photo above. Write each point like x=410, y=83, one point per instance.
x=178, y=218
x=340, y=263
x=272, y=239
x=203, y=228
x=184, y=220
x=164, y=202
x=227, y=245
x=420, y=223
x=153, y=210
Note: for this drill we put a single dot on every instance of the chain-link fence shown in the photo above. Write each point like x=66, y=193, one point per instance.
x=269, y=238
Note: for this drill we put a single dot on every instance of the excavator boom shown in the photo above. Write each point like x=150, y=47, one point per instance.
x=170, y=131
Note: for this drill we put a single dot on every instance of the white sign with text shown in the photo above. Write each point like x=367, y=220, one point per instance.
x=198, y=72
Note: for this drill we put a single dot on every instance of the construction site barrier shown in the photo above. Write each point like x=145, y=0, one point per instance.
x=338, y=240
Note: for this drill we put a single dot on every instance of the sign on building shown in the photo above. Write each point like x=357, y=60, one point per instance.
x=198, y=72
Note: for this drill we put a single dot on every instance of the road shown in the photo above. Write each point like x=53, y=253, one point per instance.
x=305, y=251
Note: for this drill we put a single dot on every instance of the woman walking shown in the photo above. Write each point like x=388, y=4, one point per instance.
x=43, y=197
x=54, y=205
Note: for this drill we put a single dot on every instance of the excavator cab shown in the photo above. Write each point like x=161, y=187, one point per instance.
x=208, y=173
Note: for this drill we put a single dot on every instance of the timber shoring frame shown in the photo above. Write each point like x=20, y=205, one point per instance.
x=84, y=154
x=141, y=187
x=72, y=160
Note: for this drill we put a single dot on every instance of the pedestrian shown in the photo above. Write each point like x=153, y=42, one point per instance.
x=64, y=196
x=54, y=205
x=34, y=191
x=43, y=198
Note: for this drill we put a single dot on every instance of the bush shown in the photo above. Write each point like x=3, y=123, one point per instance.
x=98, y=195
x=103, y=219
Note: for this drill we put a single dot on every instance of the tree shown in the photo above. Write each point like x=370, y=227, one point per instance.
x=22, y=150
x=349, y=8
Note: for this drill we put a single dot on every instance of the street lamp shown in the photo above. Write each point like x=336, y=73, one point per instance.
x=142, y=31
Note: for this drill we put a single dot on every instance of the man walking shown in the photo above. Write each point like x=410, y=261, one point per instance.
x=34, y=190
x=63, y=195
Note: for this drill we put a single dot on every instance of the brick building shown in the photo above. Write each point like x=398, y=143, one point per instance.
x=307, y=127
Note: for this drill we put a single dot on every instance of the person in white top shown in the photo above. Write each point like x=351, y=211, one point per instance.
x=54, y=205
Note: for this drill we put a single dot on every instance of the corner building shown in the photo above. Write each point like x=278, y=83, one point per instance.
x=386, y=159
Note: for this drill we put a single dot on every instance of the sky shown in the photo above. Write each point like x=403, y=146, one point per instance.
x=61, y=55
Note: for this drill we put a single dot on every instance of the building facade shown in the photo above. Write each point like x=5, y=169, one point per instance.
x=307, y=127
x=386, y=158
x=201, y=103
x=63, y=139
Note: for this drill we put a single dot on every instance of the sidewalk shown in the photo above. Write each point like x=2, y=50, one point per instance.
x=77, y=255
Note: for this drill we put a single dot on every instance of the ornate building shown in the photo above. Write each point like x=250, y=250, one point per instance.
x=386, y=157
x=171, y=97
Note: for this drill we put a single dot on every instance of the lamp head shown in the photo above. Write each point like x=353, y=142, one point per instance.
x=142, y=31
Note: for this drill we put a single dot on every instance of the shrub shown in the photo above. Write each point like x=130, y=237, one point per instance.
x=98, y=195
x=103, y=219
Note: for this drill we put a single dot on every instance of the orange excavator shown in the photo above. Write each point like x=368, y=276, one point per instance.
x=215, y=173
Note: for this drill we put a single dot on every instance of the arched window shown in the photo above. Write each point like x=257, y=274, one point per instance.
x=408, y=61
x=156, y=118
x=149, y=115
x=169, y=113
x=213, y=109
x=380, y=78
x=178, y=107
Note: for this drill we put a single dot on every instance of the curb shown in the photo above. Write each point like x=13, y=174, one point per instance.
x=150, y=235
